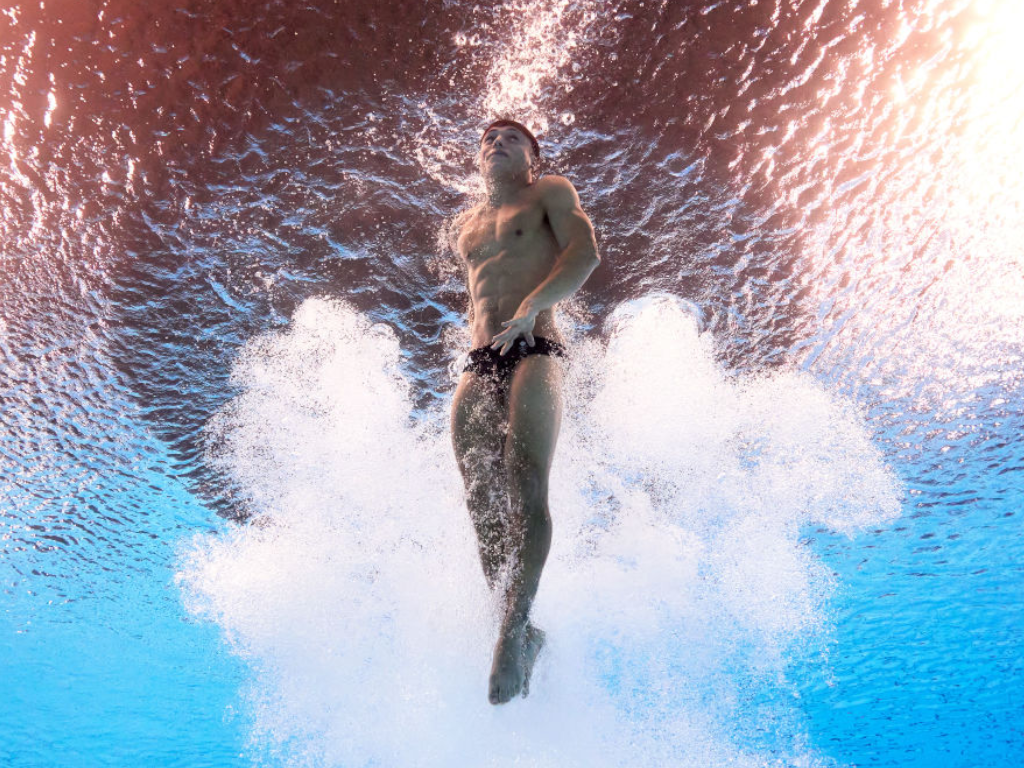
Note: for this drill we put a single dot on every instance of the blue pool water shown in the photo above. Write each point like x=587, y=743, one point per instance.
x=786, y=499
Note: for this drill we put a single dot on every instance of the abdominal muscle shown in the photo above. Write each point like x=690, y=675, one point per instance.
x=498, y=291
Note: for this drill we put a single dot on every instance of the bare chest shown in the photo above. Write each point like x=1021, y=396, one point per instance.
x=494, y=231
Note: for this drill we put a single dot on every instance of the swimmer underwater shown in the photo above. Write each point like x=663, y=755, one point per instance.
x=526, y=246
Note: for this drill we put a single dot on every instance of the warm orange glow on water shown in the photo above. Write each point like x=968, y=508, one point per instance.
x=987, y=189
x=918, y=267
x=996, y=102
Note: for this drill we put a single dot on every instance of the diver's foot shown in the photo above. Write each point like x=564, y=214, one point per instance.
x=532, y=644
x=507, y=671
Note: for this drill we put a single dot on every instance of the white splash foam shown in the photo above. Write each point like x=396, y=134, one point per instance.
x=675, y=578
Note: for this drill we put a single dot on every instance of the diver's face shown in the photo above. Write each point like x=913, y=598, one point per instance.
x=505, y=151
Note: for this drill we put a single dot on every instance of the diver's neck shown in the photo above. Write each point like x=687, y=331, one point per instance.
x=501, y=191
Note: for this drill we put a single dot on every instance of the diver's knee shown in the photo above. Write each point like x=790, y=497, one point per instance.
x=526, y=478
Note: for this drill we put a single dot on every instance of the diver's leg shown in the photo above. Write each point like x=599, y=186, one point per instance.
x=534, y=417
x=478, y=435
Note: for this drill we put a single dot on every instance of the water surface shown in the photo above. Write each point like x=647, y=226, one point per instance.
x=787, y=534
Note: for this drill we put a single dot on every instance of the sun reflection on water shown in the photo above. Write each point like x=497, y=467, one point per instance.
x=916, y=264
x=987, y=181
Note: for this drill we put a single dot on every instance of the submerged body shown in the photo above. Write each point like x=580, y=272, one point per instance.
x=528, y=246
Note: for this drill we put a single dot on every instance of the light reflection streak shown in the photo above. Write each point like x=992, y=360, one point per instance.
x=51, y=102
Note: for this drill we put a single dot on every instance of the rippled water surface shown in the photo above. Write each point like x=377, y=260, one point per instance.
x=786, y=499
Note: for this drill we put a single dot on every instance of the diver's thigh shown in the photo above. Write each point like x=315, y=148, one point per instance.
x=534, y=411
x=478, y=420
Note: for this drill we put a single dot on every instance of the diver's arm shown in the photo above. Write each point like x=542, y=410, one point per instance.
x=575, y=236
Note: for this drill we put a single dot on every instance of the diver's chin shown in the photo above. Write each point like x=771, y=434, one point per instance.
x=503, y=169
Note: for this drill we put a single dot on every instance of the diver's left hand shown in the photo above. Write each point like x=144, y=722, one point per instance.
x=520, y=325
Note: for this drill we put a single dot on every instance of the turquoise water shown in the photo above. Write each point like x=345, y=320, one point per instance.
x=106, y=666
x=786, y=499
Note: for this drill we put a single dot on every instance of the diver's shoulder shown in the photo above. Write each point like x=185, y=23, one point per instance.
x=553, y=181
x=465, y=216
x=556, y=189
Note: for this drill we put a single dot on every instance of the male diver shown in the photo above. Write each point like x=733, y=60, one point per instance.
x=526, y=246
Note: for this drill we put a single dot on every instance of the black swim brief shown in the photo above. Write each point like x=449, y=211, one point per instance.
x=490, y=363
